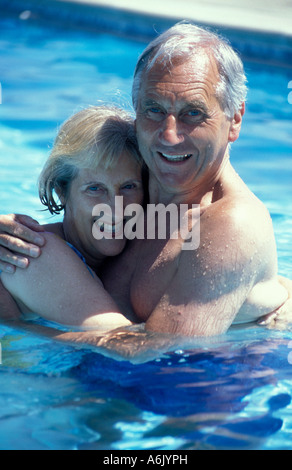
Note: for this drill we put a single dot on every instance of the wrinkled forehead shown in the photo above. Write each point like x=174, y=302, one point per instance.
x=182, y=76
x=123, y=167
x=200, y=61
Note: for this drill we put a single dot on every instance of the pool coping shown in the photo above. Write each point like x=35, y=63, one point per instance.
x=257, y=16
x=255, y=44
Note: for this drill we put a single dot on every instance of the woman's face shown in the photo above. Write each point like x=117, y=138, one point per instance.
x=101, y=187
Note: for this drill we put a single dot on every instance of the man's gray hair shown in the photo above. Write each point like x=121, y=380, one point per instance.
x=181, y=41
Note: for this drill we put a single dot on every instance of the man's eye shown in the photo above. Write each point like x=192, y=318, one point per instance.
x=194, y=116
x=194, y=112
x=155, y=113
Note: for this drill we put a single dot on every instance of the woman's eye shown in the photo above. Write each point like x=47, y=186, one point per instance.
x=129, y=186
x=94, y=189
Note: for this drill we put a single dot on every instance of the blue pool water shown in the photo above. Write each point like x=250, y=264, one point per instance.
x=232, y=392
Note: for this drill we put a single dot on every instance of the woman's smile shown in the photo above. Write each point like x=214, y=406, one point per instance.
x=93, y=220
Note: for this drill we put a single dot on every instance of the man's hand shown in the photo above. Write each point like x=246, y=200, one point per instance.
x=20, y=239
x=280, y=319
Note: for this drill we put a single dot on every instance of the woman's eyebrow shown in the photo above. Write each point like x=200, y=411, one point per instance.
x=133, y=180
x=91, y=183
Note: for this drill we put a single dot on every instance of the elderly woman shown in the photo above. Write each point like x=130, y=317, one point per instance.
x=94, y=159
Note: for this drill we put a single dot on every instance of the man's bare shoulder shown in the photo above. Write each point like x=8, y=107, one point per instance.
x=233, y=231
x=241, y=214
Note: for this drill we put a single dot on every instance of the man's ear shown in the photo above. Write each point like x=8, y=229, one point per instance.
x=236, y=124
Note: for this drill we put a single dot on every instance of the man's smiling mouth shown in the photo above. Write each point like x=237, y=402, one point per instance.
x=175, y=158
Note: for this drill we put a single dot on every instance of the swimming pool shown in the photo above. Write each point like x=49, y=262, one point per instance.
x=232, y=392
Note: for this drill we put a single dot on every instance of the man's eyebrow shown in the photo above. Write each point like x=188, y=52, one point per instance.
x=149, y=102
x=196, y=104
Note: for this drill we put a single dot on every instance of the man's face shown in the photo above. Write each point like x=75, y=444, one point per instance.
x=182, y=130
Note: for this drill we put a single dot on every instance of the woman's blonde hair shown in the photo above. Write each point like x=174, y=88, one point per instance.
x=95, y=136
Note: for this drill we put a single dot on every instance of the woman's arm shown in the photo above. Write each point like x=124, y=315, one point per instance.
x=59, y=287
x=8, y=308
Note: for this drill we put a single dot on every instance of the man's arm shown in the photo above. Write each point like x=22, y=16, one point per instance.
x=132, y=343
x=280, y=319
x=20, y=239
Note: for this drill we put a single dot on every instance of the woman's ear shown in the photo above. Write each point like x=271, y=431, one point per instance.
x=236, y=124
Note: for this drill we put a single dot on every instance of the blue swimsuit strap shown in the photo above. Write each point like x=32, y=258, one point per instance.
x=80, y=256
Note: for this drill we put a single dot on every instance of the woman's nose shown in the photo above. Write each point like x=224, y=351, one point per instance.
x=170, y=133
x=116, y=205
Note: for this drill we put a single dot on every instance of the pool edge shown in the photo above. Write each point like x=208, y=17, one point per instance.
x=264, y=46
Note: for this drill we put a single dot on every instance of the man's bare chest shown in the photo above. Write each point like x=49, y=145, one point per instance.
x=140, y=276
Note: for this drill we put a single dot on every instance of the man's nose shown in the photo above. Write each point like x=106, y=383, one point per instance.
x=170, y=133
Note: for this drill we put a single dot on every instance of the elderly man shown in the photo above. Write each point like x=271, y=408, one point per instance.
x=188, y=93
